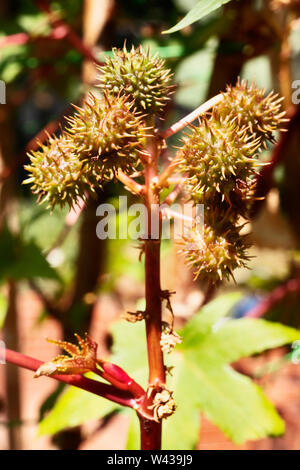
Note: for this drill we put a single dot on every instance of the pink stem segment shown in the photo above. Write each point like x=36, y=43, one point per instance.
x=203, y=108
x=293, y=285
x=14, y=40
x=62, y=30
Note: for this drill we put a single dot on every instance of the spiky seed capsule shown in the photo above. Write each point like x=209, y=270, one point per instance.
x=218, y=207
x=139, y=75
x=216, y=254
x=58, y=176
x=217, y=154
x=261, y=114
x=109, y=133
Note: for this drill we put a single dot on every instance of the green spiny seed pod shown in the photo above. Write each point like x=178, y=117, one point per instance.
x=237, y=203
x=109, y=133
x=139, y=75
x=58, y=176
x=215, y=254
x=217, y=154
x=261, y=114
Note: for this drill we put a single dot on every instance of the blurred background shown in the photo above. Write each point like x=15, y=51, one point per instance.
x=56, y=276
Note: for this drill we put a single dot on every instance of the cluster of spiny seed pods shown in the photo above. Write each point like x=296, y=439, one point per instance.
x=103, y=136
x=220, y=162
x=106, y=134
x=218, y=159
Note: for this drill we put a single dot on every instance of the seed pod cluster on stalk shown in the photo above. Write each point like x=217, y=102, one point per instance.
x=103, y=136
x=106, y=134
x=219, y=159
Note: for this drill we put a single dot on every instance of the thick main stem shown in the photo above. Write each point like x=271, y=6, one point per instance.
x=152, y=274
x=151, y=431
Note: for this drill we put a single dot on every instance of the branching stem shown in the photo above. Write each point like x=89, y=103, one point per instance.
x=130, y=183
x=203, y=108
x=151, y=431
x=98, y=388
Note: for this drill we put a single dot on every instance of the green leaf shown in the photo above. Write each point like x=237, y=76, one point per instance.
x=175, y=435
x=232, y=401
x=193, y=75
x=22, y=260
x=32, y=263
x=201, y=324
x=73, y=408
x=203, y=381
x=244, y=337
x=133, y=436
x=201, y=9
x=130, y=349
x=181, y=430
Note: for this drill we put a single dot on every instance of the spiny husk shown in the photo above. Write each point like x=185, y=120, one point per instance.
x=139, y=75
x=231, y=206
x=261, y=114
x=109, y=133
x=215, y=254
x=58, y=175
x=218, y=153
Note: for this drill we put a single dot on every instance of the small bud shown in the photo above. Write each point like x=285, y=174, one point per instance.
x=82, y=359
x=163, y=404
x=169, y=339
x=134, y=317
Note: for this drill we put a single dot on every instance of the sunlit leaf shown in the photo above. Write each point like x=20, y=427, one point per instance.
x=203, y=380
x=22, y=260
x=201, y=9
x=73, y=408
x=133, y=436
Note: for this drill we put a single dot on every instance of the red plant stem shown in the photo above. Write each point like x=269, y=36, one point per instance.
x=153, y=312
x=163, y=179
x=150, y=430
x=174, y=194
x=119, y=378
x=150, y=434
x=293, y=285
x=14, y=40
x=62, y=29
x=130, y=183
x=203, y=108
x=152, y=273
x=34, y=143
x=265, y=178
x=103, y=390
